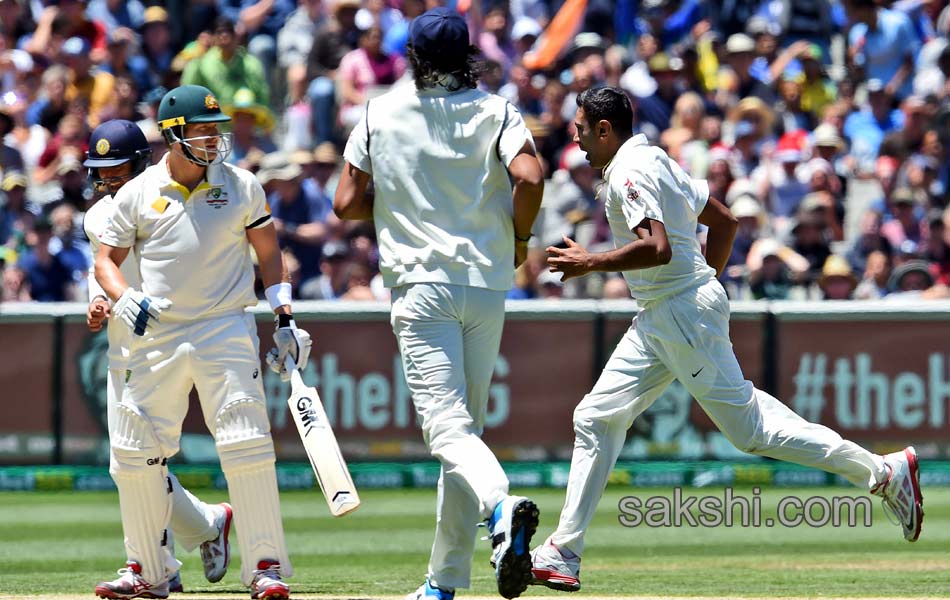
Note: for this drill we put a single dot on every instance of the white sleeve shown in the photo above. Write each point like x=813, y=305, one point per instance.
x=639, y=191
x=514, y=133
x=258, y=214
x=121, y=228
x=357, y=146
x=699, y=195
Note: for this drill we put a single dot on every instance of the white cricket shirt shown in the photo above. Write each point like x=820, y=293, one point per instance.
x=94, y=223
x=643, y=182
x=192, y=247
x=443, y=206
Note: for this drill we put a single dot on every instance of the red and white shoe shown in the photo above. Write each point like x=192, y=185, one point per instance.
x=216, y=553
x=267, y=584
x=902, y=498
x=131, y=584
x=550, y=568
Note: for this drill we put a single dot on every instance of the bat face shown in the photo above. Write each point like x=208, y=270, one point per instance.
x=322, y=448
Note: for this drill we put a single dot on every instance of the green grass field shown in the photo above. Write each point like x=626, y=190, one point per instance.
x=60, y=544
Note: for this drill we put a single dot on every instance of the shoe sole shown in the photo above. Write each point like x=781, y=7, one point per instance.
x=911, y=455
x=104, y=592
x=273, y=594
x=227, y=545
x=555, y=581
x=513, y=570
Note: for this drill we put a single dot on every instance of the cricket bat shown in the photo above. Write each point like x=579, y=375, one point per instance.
x=321, y=445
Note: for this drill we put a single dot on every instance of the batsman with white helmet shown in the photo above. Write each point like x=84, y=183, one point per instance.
x=118, y=152
x=451, y=228
x=681, y=332
x=192, y=223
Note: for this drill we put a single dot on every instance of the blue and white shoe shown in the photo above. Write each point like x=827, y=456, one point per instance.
x=427, y=592
x=511, y=525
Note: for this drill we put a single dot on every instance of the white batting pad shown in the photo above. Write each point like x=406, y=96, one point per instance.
x=247, y=459
x=192, y=521
x=144, y=500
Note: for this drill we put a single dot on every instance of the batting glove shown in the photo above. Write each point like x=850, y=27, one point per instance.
x=289, y=341
x=139, y=311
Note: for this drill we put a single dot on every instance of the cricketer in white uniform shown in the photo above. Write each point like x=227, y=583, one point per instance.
x=118, y=151
x=681, y=332
x=192, y=221
x=442, y=156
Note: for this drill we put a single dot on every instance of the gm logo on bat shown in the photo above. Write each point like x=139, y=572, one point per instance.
x=308, y=416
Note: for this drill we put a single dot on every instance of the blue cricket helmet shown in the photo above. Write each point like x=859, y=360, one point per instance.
x=116, y=142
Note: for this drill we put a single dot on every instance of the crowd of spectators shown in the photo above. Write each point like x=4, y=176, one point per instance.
x=822, y=124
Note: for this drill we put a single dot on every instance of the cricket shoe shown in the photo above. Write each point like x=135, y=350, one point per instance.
x=511, y=526
x=267, y=584
x=550, y=568
x=131, y=584
x=174, y=583
x=902, y=499
x=216, y=553
x=427, y=592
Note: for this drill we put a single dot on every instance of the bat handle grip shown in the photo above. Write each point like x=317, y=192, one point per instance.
x=295, y=379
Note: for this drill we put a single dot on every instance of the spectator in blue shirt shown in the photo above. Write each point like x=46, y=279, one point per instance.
x=884, y=44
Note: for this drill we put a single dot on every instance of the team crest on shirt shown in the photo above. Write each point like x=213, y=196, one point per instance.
x=632, y=194
x=216, y=197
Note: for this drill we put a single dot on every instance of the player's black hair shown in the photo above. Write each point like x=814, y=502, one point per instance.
x=608, y=104
x=428, y=72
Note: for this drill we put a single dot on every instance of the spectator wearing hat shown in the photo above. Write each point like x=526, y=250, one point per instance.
x=332, y=281
x=259, y=22
x=776, y=178
x=827, y=144
x=810, y=240
x=92, y=85
x=657, y=109
x=905, y=224
x=740, y=55
x=227, y=67
x=298, y=212
x=153, y=63
x=572, y=204
x=17, y=213
x=320, y=177
x=364, y=73
x=114, y=14
x=251, y=124
x=775, y=271
x=837, y=281
x=882, y=43
x=335, y=37
x=920, y=175
x=751, y=217
x=46, y=278
x=909, y=280
x=550, y=286
x=877, y=271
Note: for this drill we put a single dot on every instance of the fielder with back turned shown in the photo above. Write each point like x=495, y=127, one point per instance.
x=119, y=151
x=681, y=332
x=451, y=228
x=192, y=222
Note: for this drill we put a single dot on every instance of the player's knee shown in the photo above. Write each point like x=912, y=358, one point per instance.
x=588, y=419
x=242, y=433
x=440, y=428
x=134, y=445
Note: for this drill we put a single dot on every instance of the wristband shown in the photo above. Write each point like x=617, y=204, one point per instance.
x=523, y=240
x=278, y=295
x=284, y=320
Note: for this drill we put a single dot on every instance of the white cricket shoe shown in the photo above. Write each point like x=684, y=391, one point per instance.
x=902, y=499
x=131, y=584
x=511, y=526
x=216, y=553
x=550, y=568
x=427, y=592
x=267, y=583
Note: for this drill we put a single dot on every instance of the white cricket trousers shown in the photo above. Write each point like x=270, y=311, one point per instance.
x=449, y=337
x=686, y=337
